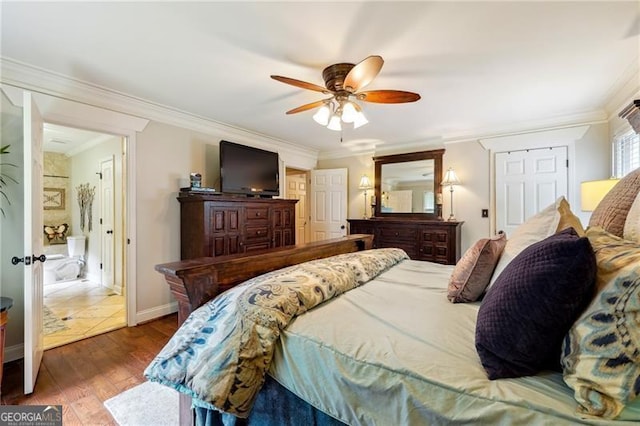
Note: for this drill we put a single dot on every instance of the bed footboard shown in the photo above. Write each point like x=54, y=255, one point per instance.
x=194, y=282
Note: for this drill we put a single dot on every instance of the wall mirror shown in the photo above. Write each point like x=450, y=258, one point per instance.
x=408, y=185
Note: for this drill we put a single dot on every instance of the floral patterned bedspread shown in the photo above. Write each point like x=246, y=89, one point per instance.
x=221, y=353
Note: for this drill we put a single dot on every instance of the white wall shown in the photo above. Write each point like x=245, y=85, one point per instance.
x=471, y=164
x=85, y=167
x=11, y=237
x=165, y=156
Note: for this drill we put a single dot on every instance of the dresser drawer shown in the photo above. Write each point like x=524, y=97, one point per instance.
x=435, y=236
x=253, y=214
x=253, y=233
x=396, y=233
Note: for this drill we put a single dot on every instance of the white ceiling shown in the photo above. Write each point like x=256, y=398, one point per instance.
x=480, y=67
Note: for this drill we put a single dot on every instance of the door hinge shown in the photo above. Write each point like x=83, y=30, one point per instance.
x=101, y=266
x=100, y=221
x=567, y=163
x=128, y=241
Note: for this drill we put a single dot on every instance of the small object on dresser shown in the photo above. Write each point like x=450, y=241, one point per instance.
x=196, y=180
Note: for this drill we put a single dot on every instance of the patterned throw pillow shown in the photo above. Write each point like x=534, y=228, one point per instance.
x=472, y=273
x=601, y=352
x=611, y=213
x=526, y=314
x=553, y=218
x=632, y=223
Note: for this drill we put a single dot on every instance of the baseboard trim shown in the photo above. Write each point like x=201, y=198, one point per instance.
x=14, y=352
x=157, y=312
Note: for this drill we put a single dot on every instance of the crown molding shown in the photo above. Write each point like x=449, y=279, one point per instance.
x=35, y=79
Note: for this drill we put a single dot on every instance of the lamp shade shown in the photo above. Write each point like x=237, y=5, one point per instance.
x=322, y=116
x=365, y=183
x=450, y=178
x=334, y=123
x=349, y=112
x=593, y=191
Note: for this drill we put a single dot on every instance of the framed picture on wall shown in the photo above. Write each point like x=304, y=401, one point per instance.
x=53, y=199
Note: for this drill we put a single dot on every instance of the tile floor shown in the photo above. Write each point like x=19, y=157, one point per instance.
x=86, y=308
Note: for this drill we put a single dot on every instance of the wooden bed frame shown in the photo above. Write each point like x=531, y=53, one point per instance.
x=196, y=281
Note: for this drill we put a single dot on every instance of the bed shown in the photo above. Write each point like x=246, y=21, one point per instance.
x=388, y=346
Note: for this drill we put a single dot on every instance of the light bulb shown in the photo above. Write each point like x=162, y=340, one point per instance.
x=334, y=123
x=360, y=120
x=322, y=116
x=349, y=112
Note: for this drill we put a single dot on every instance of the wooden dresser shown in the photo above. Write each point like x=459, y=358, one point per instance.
x=431, y=240
x=218, y=225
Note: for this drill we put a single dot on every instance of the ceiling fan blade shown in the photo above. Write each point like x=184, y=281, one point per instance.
x=307, y=106
x=300, y=83
x=388, y=96
x=363, y=73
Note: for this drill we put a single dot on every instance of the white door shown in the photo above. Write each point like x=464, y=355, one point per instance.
x=527, y=182
x=33, y=246
x=297, y=190
x=107, y=211
x=328, y=204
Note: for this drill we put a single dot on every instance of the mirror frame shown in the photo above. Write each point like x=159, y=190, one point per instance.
x=435, y=155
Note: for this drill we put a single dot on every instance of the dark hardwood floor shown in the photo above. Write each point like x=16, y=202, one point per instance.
x=80, y=376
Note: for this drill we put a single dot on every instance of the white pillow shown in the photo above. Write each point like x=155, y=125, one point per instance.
x=538, y=227
x=632, y=222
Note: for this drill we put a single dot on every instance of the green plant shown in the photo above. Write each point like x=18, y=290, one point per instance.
x=5, y=178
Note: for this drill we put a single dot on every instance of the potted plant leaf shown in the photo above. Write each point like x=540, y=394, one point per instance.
x=5, y=178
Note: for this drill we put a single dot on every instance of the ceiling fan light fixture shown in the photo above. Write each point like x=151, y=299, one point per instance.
x=359, y=120
x=334, y=123
x=322, y=115
x=349, y=112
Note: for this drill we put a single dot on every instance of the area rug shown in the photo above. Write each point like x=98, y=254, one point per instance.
x=146, y=404
x=51, y=323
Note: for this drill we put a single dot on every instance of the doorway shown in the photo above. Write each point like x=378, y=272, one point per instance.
x=84, y=288
x=297, y=184
x=526, y=182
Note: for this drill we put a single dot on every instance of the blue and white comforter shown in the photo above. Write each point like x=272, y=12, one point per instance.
x=220, y=355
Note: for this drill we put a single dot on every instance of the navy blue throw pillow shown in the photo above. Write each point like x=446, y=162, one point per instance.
x=532, y=305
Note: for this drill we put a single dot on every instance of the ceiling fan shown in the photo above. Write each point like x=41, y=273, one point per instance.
x=344, y=82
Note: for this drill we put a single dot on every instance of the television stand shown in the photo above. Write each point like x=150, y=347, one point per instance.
x=215, y=224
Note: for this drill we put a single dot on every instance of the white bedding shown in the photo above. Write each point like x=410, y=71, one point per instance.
x=395, y=351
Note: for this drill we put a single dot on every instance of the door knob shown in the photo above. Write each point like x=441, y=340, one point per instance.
x=110, y=231
x=15, y=260
x=342, y=227
x=41, y=258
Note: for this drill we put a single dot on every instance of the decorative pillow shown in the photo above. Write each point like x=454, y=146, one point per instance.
x=632, y=223
x=525, y=315
x=612, y=254
x=601, y=352
x=612, y=211
x=472, y=273
x=547, y=222
x=568, y=219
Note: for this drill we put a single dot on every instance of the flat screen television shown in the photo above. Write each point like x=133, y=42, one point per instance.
x=248, y=170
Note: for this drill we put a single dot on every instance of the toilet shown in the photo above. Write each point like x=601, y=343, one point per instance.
x=59, y=267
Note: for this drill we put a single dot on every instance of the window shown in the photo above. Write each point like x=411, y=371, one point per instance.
x=626, y=154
